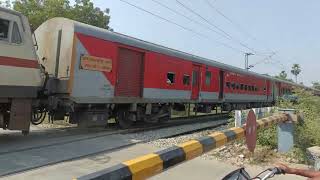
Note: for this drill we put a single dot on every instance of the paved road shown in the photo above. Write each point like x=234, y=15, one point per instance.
x=209, y=170
x=20, y=153
x=196, y=169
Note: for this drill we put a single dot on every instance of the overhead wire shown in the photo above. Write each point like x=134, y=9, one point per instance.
x=198, y=33
x=264, y=60
x=186, y=17
x=230, y=20
x=225, y=34
x=246, y=33
x=236, y=25
x=181, y=26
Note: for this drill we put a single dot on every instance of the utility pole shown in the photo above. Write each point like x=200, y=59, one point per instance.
x=246, y=59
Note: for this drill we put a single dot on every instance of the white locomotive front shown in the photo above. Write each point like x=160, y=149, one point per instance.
x=20, y=76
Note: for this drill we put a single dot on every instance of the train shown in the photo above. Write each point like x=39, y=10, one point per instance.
x=90, y=74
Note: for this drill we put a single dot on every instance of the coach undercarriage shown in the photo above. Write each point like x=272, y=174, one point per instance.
x=125, y=115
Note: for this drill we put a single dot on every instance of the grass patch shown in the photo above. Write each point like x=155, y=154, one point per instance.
x=307, y=133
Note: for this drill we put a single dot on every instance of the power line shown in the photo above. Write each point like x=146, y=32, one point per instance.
x=264, y=60
x=237, y=25
x=246, y=33
x=183, y=27
x=270, y=60
x=225, y=34
x=204, y=19
x=230, y=20
x=186, y=17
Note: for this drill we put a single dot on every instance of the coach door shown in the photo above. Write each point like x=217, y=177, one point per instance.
x=268, y=89
x=221, y=84
x=195, y=82
x=130, y=73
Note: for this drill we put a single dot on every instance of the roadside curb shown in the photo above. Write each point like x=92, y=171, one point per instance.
x=151, y=164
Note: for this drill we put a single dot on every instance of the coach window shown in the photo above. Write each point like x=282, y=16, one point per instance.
x=246, y=87
x=15, y=37
x=186, y=79
x=4, y=29
x=228, y=85
x=171, y=78
x=241, y=86
x=208, y=78
x=237, y=86
x=233, y=85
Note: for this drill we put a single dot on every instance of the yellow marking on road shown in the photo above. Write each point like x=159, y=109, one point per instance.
x=145, y=166
x=220, y=138
x=192, y=149
x=239, y=132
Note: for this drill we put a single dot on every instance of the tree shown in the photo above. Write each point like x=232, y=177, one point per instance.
x=84, y=11
x=296, y=71
x=316, y=85
x=7, y=4
x=38, y=11
x=282, y=75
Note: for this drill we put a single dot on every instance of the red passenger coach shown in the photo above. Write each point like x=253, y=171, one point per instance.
x=112, y=75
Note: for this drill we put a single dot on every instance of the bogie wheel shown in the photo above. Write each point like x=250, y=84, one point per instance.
x=123, y=119
x=38, y=116
x=167, y=117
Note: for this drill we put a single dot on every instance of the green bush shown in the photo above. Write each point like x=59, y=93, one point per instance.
x=267, y=137
x=307, y=133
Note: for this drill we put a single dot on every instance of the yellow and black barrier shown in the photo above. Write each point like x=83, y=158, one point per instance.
x=154, y=163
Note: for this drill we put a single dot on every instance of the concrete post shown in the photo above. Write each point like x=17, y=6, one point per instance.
x=314, y=156
x=238, y=118
x=285, y=132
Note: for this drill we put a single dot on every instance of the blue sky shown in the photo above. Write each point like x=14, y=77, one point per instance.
x=290, y=28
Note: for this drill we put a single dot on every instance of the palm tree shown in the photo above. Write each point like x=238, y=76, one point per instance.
x=296, y=71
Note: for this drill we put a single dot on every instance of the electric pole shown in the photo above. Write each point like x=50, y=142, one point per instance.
x=246, y=59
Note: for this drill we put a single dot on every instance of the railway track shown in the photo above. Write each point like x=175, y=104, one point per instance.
x=44, y=152
x=74, y=134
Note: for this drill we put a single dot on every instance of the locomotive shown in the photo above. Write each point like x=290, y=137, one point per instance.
x=67, y=68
